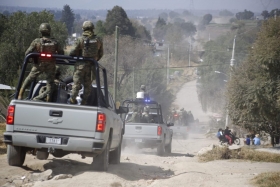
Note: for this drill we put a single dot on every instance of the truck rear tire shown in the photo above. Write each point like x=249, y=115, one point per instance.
x=15, y=155
x=115, y=156
x=168, y=148
x=161, y=148
x=101, y=162
x=41, y=155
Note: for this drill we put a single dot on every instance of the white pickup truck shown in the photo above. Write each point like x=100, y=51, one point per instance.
x=153, y=133
x=58, y=128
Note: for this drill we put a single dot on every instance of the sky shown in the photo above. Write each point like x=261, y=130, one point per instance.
x=253, y=5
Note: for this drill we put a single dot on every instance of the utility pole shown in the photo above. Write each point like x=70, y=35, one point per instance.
x=116, y=61
x=231, y=68
x=167, y=66
x=190, y=51
x=133, y=87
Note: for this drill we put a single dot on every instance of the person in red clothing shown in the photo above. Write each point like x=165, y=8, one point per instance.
x=227, y=134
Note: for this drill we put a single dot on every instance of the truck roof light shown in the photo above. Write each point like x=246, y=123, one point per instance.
x=10, y=115
x=101, y=122
x=159, y=130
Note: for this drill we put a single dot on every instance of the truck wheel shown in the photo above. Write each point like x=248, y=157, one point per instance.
x=115, y=156
x=41, y=155
x=161, y=148
x=15, y=155
x=168, y=148
x=101, y=162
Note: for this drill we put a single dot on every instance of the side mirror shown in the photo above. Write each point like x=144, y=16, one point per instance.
x=122, y=110
x=170, y=124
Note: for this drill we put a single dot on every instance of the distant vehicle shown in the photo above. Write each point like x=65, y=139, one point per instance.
x=58, y=128
x=152, y=134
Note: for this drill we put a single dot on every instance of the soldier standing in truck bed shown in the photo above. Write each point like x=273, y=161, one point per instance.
x=90, y=46
x=46, y=65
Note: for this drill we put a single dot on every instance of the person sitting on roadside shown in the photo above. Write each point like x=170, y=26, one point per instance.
x=257, y=140
x=247, y=141
x=220, y=134
x=227, y=134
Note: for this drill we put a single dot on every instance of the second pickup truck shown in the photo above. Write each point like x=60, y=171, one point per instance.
x=153, y=133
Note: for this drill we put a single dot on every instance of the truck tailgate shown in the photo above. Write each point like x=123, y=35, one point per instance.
x=52, y=118
x=143, y=130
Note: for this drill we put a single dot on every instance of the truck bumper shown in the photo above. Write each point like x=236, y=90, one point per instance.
x=141, y=142
x=68, y=143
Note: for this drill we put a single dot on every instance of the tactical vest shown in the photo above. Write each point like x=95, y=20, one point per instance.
x=48, y=45
x=90, y=47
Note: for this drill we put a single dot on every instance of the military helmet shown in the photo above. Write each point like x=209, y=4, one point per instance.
x=142, y=87
x=45, y=28
x=88, y=25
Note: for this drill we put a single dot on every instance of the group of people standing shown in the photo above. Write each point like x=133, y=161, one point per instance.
x=182, y=117
x=88, y=45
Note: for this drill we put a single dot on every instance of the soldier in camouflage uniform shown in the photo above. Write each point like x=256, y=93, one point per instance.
x=44, y=44
x=90, y=46
x=56, y=82
x=146, y=115
x=135, y=117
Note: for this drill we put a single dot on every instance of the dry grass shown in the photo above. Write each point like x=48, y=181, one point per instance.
x=221, y=153
x=3, y=148
x=269, y=179
x=2, y=128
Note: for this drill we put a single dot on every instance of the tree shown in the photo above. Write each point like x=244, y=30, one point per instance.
x=265, y=14
x=160, y=29
x=68, y=18
x=244, y=15
x=179, y=20
x=141, y=32
x=274, y=12
x=78, y=17
x=255, y=85
x=207, y=18
x=118, y=17
x=100, y=29
x=163, y=15
x=186, y=13
x=225, y=13
x=173, y=14
x=188, y=28
x=20, y=30
x=216, y=58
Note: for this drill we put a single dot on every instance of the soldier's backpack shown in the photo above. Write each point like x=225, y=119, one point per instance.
x=48, y=45
x=90, y=47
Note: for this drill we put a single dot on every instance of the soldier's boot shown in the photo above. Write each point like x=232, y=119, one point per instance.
x=73, y=101
x=21, y=91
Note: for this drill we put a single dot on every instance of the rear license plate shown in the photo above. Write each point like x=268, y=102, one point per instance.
x=138, y=140
x=53, y=140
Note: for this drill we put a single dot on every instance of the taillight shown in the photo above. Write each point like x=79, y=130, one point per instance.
x=10, y=115
x=175, y=115
x=159, y=130
x=45, y=55
x=101, y=122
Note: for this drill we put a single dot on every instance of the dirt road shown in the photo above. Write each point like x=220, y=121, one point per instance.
x=141, y=168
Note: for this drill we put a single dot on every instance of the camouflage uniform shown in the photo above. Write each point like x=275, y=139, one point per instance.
x=146, y=115
x=89, y=45
x=135, y=116
x=56, y=82
x=44, y=65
